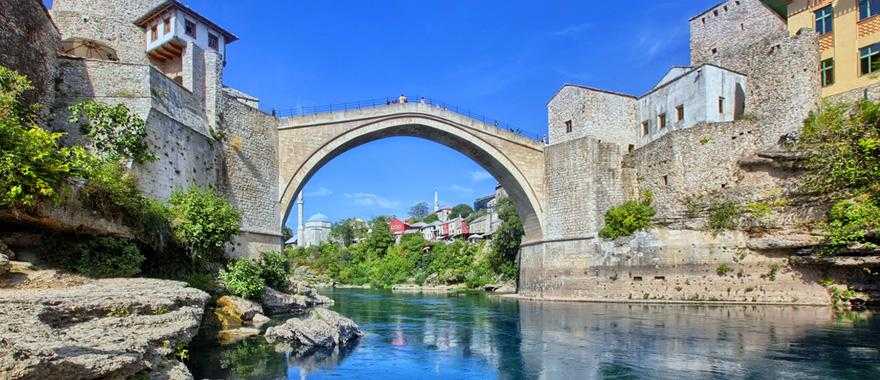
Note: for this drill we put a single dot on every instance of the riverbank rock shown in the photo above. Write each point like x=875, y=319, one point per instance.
x=321, y=330
x=112, y=328
x=275, y=302
x=501, y=288
x=5, y=251
x=242, y=309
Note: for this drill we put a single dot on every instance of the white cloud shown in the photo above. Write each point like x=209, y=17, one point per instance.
x=373, y=200
x=480, y=175
x=572, y=30
x=461, y=189
x=319, y=192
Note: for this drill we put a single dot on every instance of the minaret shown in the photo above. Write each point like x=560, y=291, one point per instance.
x=300, y=228
x=436, y=201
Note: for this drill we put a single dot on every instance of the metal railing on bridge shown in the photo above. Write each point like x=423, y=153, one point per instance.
x=382, y=102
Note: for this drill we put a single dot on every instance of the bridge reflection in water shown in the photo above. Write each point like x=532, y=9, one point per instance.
x=418, y=336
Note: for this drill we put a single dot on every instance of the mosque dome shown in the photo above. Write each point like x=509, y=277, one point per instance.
x=319, y=218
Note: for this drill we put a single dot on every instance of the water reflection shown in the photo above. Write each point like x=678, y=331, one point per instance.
x=474, y=336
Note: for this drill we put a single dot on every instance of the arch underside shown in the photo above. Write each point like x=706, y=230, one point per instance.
x=433, y=129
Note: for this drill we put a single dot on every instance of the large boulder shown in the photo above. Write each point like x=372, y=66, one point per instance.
x=5, y=251
x=275, y=302
x=240, y=308
x=112, y=328
x=321, y=330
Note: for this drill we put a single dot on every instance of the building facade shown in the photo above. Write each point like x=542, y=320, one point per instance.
x=316, y=230
x=849, y=40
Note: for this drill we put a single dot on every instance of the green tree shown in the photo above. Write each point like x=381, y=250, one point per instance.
x=347, y=231
x=419, y=211
x=33, y=166
x=286, y=233
x=243, y=278
x=507, y=239
x=203, y=221
x=380, y=237
x=461, y=210
x=431, y=219
x=114, y=131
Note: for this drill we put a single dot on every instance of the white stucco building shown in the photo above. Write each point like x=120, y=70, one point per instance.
x=316, y=230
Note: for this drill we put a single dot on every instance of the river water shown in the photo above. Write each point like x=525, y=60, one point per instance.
x=414, y=336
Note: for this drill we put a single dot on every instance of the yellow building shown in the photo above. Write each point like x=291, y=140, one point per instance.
x=849, y=40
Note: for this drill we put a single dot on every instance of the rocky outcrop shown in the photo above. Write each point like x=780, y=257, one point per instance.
x=321, y=330
x=5, y=251
x=275, y=302
x=242, y=309
x=4, y=264
x=104, y=329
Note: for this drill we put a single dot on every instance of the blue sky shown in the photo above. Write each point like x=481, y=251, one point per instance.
x=504, y=59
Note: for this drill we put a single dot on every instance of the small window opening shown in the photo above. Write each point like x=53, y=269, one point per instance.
x=714, y=50
x=661, y=121
x=637, y=278
x=662, y=278
x=721, y=105
x=666, y=180
x=213, y=42
x=166, y=26
x=715, y=12
x=568, y=126
x=645, y=128
x=631, y=148
x=190, y=28
x=154, y=32
x=679, y=112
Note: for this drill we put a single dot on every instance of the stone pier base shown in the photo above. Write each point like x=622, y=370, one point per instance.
x=666, y=266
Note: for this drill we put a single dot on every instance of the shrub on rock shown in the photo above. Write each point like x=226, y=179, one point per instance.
x=203, y=221
x=629, y=217
x=108, y=257
x=274, y=269
x=242, y=278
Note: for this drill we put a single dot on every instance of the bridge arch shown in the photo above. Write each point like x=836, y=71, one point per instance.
x=307, y=143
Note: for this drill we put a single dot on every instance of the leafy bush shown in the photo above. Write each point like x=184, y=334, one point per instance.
x=852, y=221
x=203, y=221
x=842, y=144
x=723, y=216
x=33, y=167
x=111, y=190
x=629, y=217
x=723, y=269
x=243, y=278
x=114, y=131
x=108, y=257
x=274, y=269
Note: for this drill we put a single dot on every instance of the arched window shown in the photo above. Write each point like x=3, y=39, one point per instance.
x=85, y=48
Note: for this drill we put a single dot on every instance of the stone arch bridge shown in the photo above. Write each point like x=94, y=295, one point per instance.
x=306, y=143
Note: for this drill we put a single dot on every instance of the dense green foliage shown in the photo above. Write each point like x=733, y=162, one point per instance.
x=274, y=268
x=628, y=217
x=33, y=166
x=842, y=143
x=243, y=278
x=114, y=131
x=461, y=210
x=348, y=231
x=107, y=257
x=855, y=220
x=203, y=221
x=724, y=216
x=842, y=146
x=506, y=241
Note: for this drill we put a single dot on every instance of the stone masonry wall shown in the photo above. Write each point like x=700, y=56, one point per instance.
x=29, y=44
x=730, y=28
x=91, y=19
x=571, y=208
x=249, y=174
x=176, y=129
x=603, y=115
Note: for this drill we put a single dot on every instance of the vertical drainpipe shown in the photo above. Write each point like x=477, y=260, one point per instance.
x=300, y=229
